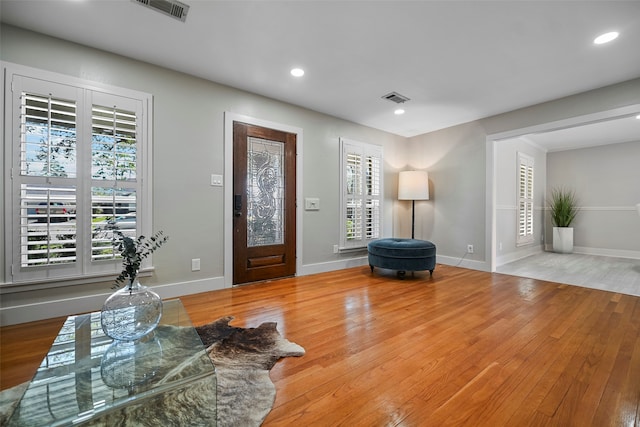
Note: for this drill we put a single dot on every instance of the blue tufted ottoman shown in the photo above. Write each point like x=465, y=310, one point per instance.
x=402, y=255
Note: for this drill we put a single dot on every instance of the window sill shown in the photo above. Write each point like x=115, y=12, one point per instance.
x=15, y=287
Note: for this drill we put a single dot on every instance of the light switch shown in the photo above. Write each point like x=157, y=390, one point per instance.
x=216, y=180
x=311, y=204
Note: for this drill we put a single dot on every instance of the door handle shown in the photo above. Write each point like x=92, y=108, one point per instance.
x=237, y=205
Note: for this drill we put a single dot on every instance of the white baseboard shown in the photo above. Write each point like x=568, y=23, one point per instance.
x=175, y=290
x=68, y=306
x=324, y=267
x=615, y=253
x=65, y=307
x=360, y=261
x=463, y=262
x=518, y=254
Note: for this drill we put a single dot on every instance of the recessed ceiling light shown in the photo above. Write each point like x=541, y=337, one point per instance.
x=606, y=37
x=398, y=112
x=297, y=72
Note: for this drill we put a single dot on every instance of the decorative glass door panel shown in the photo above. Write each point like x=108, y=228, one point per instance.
x=265, y=192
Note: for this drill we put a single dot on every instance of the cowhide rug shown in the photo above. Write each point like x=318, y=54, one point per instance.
x=244, y=392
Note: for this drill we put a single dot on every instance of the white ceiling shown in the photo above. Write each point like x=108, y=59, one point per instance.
x=457, y=61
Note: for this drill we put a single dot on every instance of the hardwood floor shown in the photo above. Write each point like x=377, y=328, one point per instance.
x=462, y=348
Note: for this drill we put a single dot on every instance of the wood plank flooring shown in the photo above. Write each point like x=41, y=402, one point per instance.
x=463, y=348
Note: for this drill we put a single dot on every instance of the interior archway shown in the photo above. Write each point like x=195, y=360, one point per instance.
x=543, y=137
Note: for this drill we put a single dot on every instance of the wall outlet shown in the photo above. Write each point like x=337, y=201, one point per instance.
x=469, y=249
x=195, y=264
x=335, y=249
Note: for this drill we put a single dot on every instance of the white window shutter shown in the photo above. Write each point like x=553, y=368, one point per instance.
x=76, y=152
x=525, y=206
x=361, y=185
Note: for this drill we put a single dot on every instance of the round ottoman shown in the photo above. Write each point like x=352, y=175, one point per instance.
x=402, y=255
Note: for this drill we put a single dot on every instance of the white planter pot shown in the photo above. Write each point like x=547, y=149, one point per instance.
x=563, y=240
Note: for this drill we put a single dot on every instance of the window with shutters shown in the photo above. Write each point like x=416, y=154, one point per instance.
x=524, y=209
x=77, y=153
x=361, y=186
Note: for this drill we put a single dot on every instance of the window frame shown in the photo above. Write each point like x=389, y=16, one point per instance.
x=364, y=150
x=525, y=182
x=83, y=270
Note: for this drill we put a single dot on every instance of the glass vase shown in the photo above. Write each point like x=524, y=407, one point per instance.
x=131, y=313
x=131, y=364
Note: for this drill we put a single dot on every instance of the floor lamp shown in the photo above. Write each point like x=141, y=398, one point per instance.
x=413, y=185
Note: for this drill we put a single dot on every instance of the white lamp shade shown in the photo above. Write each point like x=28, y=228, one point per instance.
x=413, y=185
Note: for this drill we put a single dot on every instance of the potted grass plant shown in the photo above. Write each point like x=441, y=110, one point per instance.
x=564, y=209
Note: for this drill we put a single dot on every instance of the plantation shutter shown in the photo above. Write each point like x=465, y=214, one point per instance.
x=525, y=199
x=372, y=196
x=46, y=179
x=113, y=172
x=75, y=166
x=361, y=202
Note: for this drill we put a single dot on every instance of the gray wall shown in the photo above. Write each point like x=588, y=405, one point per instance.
x=507, y=198
x=454, y=158
x=188, y=147
x=460, y=161
x=188, y=139
x=606, y=181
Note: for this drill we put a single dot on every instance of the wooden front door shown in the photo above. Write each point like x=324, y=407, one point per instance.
x=264, y=203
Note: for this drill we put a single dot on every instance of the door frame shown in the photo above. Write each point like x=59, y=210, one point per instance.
x=229, y=118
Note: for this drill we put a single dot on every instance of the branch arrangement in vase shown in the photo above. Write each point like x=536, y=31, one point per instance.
x=133, y=251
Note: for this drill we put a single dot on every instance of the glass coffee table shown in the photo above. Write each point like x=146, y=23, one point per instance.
x=86, y=375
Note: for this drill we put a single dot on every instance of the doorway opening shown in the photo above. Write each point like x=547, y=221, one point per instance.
x=547, y=129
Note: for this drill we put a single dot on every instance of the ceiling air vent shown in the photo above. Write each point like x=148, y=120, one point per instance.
x=396, y=97
x=172, y=8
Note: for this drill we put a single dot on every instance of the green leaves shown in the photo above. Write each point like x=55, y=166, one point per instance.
x=563, y=207
x=134, y=251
